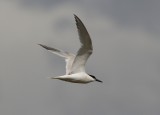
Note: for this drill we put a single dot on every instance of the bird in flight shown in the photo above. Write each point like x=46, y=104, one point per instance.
x=75, y=64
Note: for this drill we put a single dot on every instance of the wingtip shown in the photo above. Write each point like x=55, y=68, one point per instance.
x=44, y=46
x=39, y=44
x=76, y=17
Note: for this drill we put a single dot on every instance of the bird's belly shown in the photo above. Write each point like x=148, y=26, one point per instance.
x=77, y=78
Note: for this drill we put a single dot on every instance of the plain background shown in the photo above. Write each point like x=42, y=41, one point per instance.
x=126, y=57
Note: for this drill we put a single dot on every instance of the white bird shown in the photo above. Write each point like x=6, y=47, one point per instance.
x=75, y=64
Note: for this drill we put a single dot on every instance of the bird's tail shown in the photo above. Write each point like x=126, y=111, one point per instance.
x=53, y=77
x=59, y=77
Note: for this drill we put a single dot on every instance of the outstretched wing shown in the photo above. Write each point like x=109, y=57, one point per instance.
x=69, y=57
x=85, y=50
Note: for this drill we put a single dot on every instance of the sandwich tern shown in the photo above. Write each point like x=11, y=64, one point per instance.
x=75, y=64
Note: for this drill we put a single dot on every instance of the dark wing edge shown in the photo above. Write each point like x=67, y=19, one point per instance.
x=86, y=48
x=84, y=36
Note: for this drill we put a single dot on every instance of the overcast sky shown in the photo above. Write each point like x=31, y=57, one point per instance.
x=126, y=57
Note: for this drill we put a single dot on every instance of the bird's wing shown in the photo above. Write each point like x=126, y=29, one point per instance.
x=69, y=57
x=85, y=50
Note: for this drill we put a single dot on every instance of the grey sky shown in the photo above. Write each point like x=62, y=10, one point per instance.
x=126, y=31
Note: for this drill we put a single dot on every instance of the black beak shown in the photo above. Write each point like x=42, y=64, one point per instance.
x=95, y=78
x=99, y=80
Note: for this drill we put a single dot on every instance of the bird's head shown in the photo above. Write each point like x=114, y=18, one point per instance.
x=95, y=78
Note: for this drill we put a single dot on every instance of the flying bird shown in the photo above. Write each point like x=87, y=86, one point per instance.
x=75, y=64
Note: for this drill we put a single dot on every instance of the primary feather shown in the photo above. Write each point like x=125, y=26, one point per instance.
x=85, y=50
